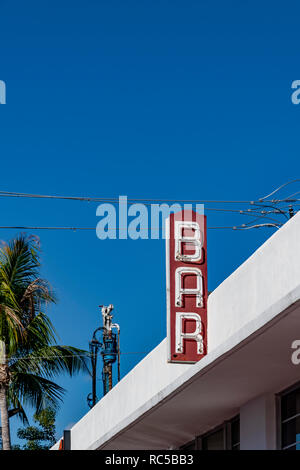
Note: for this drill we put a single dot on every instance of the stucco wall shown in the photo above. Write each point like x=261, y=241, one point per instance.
x=258, y=424
x=141, y=385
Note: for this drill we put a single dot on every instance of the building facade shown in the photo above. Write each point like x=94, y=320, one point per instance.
x=244, y=394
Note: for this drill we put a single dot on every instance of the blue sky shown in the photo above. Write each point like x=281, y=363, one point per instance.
x=161, y=99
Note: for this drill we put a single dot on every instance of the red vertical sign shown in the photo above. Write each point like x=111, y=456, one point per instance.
x=186, y=286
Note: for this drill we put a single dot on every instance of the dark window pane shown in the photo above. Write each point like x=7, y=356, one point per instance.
x=236, y=447
x=291, y=432
x=214, y=441
x=235, y=433
x=290, y=405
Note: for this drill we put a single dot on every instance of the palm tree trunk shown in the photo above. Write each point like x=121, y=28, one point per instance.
x=4, y=382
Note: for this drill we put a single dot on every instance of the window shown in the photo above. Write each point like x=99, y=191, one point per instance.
x=224, y=437
x=290, y=420
x=235, y=434
x=214, y=440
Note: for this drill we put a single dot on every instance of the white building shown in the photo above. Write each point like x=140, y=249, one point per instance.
x=242, y=394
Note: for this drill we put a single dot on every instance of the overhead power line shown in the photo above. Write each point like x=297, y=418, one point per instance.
x=116, y=199
x=74, y=229
x=264, y=210
x=33, y=357
x=278, y=189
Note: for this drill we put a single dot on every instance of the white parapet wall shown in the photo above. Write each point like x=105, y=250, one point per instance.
x=137, y=392
x=261, y=288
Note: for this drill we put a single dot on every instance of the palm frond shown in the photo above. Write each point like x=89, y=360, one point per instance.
x=38, y=289
x=19, y=259
x=38, y=333
x=10, y=325
x=53, y=360
x=35, y=391
x=17, y=409
x=30, y=338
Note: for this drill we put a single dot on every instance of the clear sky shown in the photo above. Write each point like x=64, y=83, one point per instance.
x=149, y=99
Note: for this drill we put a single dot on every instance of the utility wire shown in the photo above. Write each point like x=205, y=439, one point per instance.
x=257, y=226
x=292, y=195
x=276, y=209
x=23, y=227
x=277, y=189
x=257, y=208
x=32, y=358
x=146, y=202
x=116, y=199
x=74, y=229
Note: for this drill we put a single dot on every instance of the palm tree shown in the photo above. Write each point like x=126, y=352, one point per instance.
x=29, y=355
